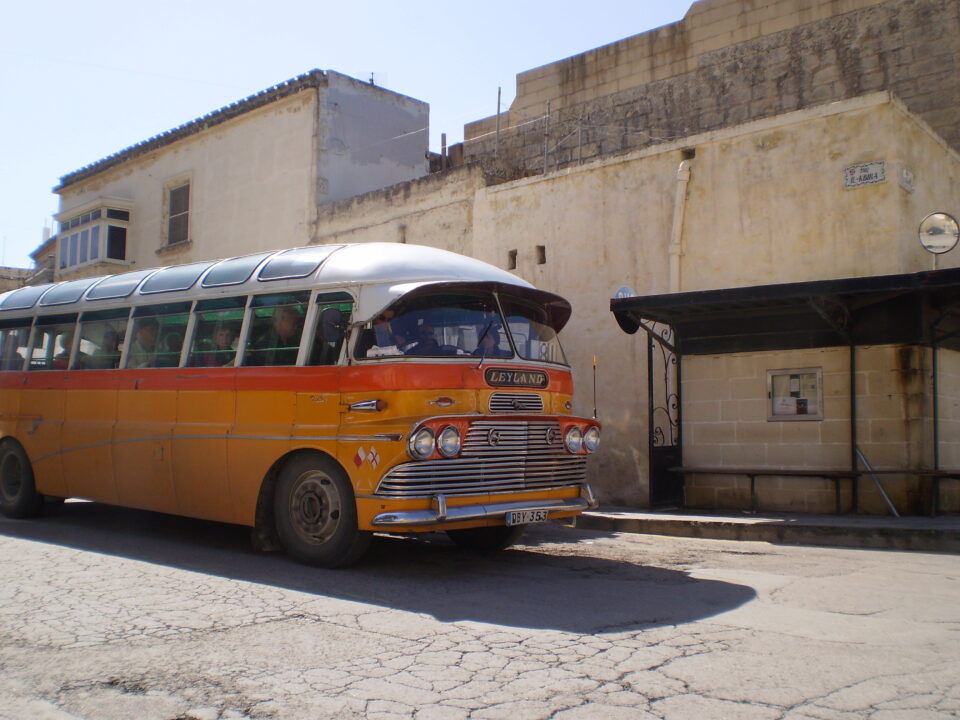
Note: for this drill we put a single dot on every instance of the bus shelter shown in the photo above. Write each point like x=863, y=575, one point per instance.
x=821, y=395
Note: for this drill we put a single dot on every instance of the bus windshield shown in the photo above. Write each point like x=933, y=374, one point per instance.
x=467, y=323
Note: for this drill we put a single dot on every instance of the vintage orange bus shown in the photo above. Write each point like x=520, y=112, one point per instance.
x=317, y=394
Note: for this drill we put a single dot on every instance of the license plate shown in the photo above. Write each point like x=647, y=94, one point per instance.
x=525, y=517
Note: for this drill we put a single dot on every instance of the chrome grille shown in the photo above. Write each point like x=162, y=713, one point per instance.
x=526, y=456
x=501, y=402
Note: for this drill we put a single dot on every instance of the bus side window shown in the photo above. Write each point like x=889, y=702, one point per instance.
x=332, y=323
x=51, y=347
x=158, y=336
x=275, y=334
x=216, y=332
x=101, y=335
x=13, y=342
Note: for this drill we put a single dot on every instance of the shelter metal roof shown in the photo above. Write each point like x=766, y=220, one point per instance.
x=917, y=308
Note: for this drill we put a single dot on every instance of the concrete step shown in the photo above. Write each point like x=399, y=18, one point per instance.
x=924, y=534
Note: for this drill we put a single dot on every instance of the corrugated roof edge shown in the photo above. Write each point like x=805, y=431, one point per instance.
x=313, y=79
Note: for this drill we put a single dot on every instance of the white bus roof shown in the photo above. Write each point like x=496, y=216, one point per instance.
x=393, y=268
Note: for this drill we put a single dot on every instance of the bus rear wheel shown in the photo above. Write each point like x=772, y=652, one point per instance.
x=316, y=513
x=18, y=493
x=486, y=539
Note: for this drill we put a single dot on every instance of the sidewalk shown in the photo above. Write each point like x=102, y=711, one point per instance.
x=925, y=534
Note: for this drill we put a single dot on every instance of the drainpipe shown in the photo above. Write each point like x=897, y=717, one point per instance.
x=676, y=234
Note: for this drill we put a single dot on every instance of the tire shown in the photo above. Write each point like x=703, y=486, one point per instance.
x=486, y=539
x=18, y=493
x=316, y=513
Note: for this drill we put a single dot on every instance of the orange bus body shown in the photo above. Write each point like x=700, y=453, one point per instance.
x=213, y=442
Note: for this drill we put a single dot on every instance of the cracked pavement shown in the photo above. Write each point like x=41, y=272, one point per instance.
x=114, y=614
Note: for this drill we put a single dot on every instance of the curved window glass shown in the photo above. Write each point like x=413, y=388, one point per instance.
x=24, y=298
x=118, y=286
x=532, y=330
x=68, y=292
x=178, y=277
x=437, y=325
x=296, y=263
x=233, y=271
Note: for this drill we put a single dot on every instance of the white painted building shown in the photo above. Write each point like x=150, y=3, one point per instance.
x=249, y=176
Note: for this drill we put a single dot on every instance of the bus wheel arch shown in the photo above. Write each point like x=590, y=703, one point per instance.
x=307, y=507
x=18, y=491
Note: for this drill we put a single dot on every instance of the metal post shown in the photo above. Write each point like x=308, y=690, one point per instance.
x=496, y=146
x=546, y=137
x=936, y=406
x=853, y=428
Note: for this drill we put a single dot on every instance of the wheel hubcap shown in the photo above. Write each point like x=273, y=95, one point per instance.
x=315, y=507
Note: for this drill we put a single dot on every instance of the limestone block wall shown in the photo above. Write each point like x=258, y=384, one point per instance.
x=726, y=423
x=726, y=63
x=436, y=210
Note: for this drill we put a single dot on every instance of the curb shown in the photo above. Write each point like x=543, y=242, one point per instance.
x=916, y=534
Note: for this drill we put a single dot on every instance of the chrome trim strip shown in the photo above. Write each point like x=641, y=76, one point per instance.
x=290, y=438
x=475, y=512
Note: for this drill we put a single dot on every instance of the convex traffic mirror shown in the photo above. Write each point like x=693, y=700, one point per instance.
x=939, y=233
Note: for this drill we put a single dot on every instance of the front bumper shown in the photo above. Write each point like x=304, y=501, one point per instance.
x=440, y=513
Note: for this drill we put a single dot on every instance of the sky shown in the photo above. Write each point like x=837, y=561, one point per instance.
x=82, y=80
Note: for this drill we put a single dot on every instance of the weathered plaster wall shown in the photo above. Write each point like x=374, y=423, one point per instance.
x=765, y=204
x=774, y=190
x=369, y=138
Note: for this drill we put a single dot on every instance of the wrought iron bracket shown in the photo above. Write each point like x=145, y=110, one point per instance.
x=659, y=335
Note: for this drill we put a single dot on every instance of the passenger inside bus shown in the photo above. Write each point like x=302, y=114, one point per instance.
x=61, y=361
x=329, y=337
x=108, y=354
x=12, y=358
x=143, y=349
x=490, y=345
x=220, y=349
x=280, y=344
x=427, y=343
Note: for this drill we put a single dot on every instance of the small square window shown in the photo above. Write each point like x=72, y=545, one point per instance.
x=795, y=394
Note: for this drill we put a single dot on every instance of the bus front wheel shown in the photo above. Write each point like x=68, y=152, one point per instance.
x=486, y=539
x=18, y=493
x=316, y=514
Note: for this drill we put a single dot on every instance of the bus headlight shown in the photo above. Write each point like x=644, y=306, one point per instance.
x=421, y=444
x=574, y=439
x=591, y=439
x=448, y=441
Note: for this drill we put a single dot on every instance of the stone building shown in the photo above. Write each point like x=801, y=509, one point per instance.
x=798, y=141
x=728, y=62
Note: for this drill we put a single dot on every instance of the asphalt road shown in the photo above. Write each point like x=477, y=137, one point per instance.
x=117, y=614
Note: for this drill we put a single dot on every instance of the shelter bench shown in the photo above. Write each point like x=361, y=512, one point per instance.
x=836, y=476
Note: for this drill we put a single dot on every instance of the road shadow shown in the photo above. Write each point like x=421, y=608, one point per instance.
x=522, y=587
